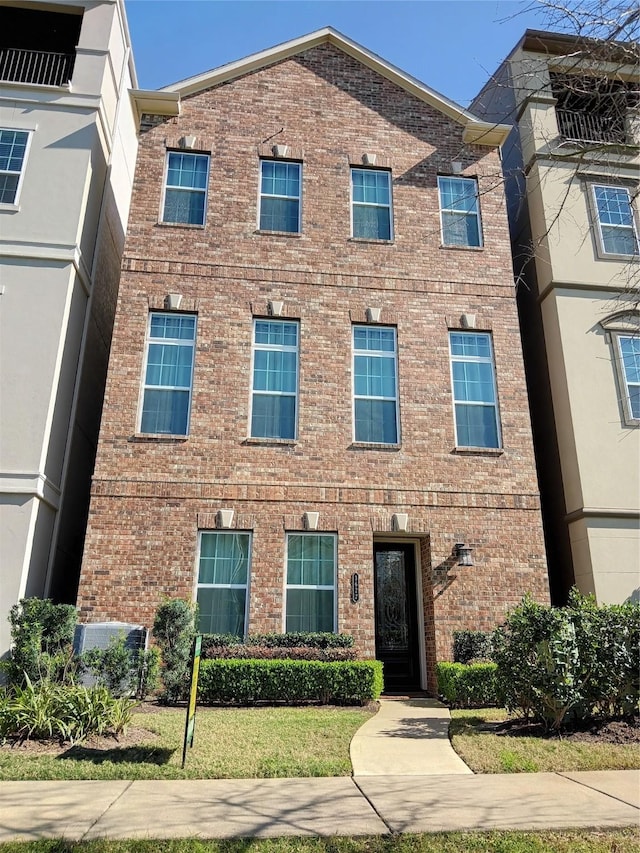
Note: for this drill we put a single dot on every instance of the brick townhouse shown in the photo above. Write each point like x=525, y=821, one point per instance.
x=316, y=415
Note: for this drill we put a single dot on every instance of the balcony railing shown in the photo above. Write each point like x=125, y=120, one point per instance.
x=35, y=66
x=591, y=127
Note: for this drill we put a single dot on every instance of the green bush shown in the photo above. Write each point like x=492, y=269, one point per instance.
x=174, y=630
x=569, y=663
x=114, y=667
x=66, y=712
x=324, y=640
x=42, y=642
x=148, y=672
x=245, y=682
x=280, y=653
x=471, y=685
x=471, y=645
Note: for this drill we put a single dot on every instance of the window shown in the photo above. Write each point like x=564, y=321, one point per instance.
x=223, y=574
x=275, y=379
x=311, y=572
x=460, y=212
x=629, y=355
x=185, y=196
x=371, y=204
x=374, y=384
x=168, y=374
x=279, y=196
x=615, y=220
x=474, y=390
x=13, y=151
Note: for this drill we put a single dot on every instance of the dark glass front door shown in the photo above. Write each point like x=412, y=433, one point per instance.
x=396, y=615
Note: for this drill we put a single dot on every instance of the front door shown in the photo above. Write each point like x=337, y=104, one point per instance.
x=396, y=615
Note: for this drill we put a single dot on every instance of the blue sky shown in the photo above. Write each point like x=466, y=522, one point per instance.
x=451, y=46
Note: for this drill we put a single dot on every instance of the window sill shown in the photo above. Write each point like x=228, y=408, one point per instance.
x=374, y=445
x=275, y=442
x=278, y=233
x=374, y=240
x=187, y=225
x=463, y=248
x=10, y=208
x=611, y=256
x=479, y=451
x=157, y=438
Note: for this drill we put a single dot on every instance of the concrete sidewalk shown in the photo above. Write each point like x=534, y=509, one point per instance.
x=342, y=806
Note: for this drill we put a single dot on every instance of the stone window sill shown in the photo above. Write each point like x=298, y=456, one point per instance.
x=278, y=233
x=374, y=445
x=478, y=451
x=275, y=442
x=157, y=438
x=463, y=248
x=185, y=225
x=375, y=242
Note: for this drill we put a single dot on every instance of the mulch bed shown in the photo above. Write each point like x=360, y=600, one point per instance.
x=614, y=731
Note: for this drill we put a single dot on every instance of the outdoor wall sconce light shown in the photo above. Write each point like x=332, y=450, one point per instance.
x=224, y=519
x=463, y=553
x=355, y=588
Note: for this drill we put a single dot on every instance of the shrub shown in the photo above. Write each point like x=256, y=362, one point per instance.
x=148, y=672
x=174, y=630
x=471, y=645
x=291, y=639
x=470, y=685
x=67, y=712
x=42, y=642
x=279, y=653
x=248, y=681
x=114, y=667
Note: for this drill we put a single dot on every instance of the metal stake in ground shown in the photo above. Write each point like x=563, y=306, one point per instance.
x=190, y=724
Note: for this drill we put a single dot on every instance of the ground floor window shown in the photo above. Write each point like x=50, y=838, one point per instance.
x=223, y=575
x=311, y=573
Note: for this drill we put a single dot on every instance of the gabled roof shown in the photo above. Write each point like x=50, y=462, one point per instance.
x=475, y=130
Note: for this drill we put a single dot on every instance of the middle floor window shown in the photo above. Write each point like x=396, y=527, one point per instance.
x=375, y=397
x=280, y=191
x=274, y=397
x=311, y=577
x=223, y=576
x=371, y=204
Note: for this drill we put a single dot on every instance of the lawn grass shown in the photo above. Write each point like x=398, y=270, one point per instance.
x=485, y=752
x=573, y=841
x=230, y=743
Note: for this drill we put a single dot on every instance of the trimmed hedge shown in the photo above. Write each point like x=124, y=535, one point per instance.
x=302, y=638
x=468, y=685
x=472, y=645
x=279, y=653
x=245, y=682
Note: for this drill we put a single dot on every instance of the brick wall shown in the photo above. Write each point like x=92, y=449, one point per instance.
x=149, y=493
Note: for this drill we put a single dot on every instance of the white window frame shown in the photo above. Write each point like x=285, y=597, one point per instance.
x=13, y=205
x=173, y=342
x=625, y=384
x=334, y=587
x=262, y=195
x=477, y=360
x=165, y=187
x=354, y=396
x=274, y=348
x=596, y=213
x=246, y=586
x=444, y=210
x=370, y=204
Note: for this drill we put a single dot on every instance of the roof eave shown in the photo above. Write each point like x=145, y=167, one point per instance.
x=485, y=133
x=155, y=102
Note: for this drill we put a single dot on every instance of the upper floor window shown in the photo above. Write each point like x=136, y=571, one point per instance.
x=474, y=390
x=629, y=356
x=280, y=190
x=168, y=374
x=375, y=384
x=275, y=379
x=616, y=227
x=223, y=578
x=13, y=152
x=185, y=195
x=311, y=574
x=371, y=204
x=460, y=212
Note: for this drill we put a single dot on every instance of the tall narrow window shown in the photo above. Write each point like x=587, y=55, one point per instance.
x=460, y=212
x=371, y=203
x=223, y=575
x=168, y=374
x=474, y=390
x=275, y=379
x=13, y=151
x=375, y=384
x=311, y=574
x=629, y=353
x=279, y=196
x=615, y=220
x=185, y=196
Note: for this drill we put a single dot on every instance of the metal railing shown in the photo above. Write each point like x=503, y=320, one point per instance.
x=591, y=127
x=35, y=66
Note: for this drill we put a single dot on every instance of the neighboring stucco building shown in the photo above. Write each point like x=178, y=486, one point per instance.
x=571, y=163
x=316, y=393
x=67, y=155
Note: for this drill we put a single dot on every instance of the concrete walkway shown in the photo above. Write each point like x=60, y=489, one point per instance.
x=406, y=779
